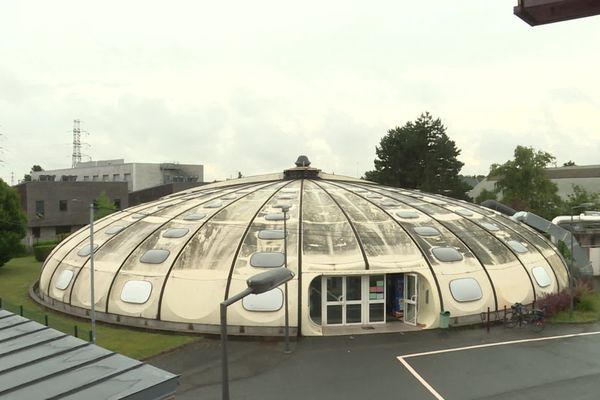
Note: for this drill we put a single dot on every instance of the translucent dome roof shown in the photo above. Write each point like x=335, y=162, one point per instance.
x=168, y=264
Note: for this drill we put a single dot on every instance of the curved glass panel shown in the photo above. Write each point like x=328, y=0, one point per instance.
x=155, y=256
x=465, y=289
x=264, y=302
x=267, y=260
x=541, y=276
x=446, y=254
x=137, y=292
x=175, y=233
x=216, y=204
x=64, y=279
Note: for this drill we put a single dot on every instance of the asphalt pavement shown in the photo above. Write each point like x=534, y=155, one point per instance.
x=543, y=365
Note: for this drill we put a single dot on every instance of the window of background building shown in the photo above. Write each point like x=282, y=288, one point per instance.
x=86, y=178
x=39, y=208
x=35, y=231
x=127, y=177
x=62, y=205
x=95, y=177
x=118, y=203
x=105, y=178
x=63, y=229
x=116, y=177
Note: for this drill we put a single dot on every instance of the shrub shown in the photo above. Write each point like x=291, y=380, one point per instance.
x=587, y=302
x=582, y=287
x=554, y=302
x=42, y=250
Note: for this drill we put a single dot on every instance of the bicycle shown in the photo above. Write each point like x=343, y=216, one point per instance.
x=519, y=315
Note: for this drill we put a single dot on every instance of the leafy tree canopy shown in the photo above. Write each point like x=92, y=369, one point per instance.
x=103, y=206
x=579, y=197
x=419, y=155
x=569, y=164
x=35, y=168
x=12, y=223
x=523, y=184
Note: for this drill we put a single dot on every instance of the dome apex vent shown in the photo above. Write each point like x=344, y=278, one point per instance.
x=303, y=170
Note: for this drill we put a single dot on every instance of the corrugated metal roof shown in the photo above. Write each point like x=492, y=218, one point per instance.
x=37, y=362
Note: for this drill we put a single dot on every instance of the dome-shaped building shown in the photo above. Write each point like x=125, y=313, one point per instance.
x=363, y=255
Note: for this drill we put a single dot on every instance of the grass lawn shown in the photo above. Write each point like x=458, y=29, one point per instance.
x=19, y=274
x=587, y=310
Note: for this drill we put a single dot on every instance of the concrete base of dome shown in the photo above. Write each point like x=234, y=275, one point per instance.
x=154, y=324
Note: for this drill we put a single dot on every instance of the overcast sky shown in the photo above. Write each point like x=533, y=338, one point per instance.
x=249, y=85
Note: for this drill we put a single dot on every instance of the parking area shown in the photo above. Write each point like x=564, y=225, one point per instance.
x=561, y=362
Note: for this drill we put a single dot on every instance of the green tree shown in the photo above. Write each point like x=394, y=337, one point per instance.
x=419, y=155
x=569, y=164
x=103, y=206
x=578, y=197
x=523, y=184
x=485, y=195
x=35, y=168
x=12, y=223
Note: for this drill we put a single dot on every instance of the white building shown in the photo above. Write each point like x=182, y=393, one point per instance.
x=138, y=175
x=585, y=176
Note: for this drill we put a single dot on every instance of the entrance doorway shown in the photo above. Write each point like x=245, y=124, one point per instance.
x=353, y=300
x=364, y=300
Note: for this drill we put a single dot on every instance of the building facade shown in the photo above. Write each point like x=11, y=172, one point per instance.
x=59, y=208
x=137, y=175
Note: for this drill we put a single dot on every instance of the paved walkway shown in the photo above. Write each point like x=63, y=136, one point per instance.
x=368, y=367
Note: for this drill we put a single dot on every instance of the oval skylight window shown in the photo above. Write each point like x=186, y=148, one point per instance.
x=174, y=233
x=267, y=301
x=282, y=206
x=230, y=197
x=85, y=250
x=277, y=216
x=155, y=256
x=426, y=231
x=541, y=276
x=114, y=229
x=407, y=214
x=267, y=260
x=517, y=246
x=389, y=203
x=464, y=212
x=214, y=204
x=286, y=197
x=271, y=234
x=465, y=289
x=138, y=216
x=446, y=254
x=436, y=201
x=490, y=227
x=64, y=279
x=136, y=292
x=194, y=216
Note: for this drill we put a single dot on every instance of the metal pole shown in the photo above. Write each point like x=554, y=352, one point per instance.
x=571, y=300
x=286, y=348
x=224, y=362
x=92, y=297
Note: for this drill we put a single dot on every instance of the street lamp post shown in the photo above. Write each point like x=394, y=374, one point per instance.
x=257, y=284
x=92, y=298
x=286, y=348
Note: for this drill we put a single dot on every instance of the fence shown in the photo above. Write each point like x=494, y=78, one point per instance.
x=82, y=331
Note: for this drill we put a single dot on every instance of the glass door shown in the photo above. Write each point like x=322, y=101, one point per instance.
x=343, y=300
x=410, y=298
x=375, y=284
